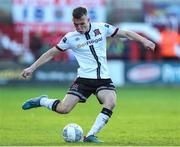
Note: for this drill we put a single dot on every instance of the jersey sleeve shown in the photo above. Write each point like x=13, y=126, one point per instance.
x=63, y=45
x=110, y=30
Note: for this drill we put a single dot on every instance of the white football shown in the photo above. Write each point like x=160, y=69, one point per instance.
x=72, y=133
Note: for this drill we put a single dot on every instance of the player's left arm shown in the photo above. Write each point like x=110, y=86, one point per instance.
x=134, y=36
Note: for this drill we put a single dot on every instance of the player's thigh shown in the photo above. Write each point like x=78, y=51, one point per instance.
x=68, y=103
x=107, y=98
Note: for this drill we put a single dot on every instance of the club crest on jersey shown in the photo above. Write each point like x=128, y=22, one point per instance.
x=97, y=32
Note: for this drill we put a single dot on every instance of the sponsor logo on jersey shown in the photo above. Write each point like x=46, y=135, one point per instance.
x=89, y=42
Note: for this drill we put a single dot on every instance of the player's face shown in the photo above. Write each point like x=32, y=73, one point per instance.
x=82, y=24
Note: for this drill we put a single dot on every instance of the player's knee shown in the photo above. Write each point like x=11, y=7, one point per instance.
x=110, y=103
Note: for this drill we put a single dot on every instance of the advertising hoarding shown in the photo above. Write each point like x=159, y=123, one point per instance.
x=53, y=15
x=152, y=73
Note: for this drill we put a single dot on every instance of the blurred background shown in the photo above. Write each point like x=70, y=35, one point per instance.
x=28, y=28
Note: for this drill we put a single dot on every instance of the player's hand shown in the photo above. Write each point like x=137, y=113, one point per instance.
x=26, y=73
x=149, y=45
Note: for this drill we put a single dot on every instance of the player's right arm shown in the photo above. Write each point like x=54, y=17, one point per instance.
x=42, y=60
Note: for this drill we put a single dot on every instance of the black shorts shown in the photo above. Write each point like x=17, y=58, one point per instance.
x=83, y=87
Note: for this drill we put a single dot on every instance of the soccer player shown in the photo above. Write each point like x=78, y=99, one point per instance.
x=88, y=43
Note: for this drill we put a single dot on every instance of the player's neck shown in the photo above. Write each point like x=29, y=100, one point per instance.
x=88, y=28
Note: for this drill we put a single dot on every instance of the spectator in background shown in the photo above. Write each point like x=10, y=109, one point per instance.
x=10, y=49
x=36, y=45
x=1, y=46
x=169, y=43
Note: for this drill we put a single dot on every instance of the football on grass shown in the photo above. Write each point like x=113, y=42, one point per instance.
x=72, y=133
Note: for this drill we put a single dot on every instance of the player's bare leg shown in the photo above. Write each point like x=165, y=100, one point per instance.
x=67, y=104
x=108, y=98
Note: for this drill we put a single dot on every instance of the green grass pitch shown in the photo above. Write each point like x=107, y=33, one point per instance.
x=144, y=116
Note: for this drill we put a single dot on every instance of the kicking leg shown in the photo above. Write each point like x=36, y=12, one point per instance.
x=67, y=104
x=63, y=107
